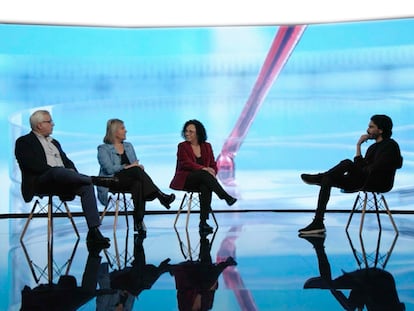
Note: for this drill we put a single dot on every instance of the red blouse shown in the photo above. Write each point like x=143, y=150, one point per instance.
x=186, y=162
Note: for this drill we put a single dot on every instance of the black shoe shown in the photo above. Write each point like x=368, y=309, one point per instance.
x=315, y=179
x=316, y=239
x=230, y=261
x=95, y=238
x=230, y=200
x=164, y=266
x=166, y=199
x=315, y=227
x=318, y=282
x=102, y=181
x=205, y=228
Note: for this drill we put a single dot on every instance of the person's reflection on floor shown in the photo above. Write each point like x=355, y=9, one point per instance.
x=196, y=281
x=119, y=300
x=371, y=287
x=130, y=281
x=65, y=295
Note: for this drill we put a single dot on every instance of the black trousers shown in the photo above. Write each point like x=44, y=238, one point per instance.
x=206, y=184
x=345, y=175
x=137, y=182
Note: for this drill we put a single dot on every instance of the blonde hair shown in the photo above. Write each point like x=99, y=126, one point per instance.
x=111, y=127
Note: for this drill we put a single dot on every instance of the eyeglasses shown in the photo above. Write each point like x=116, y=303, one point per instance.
x=48, y=121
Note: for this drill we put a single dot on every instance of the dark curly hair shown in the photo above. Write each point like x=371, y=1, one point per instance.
x=384, y=123
x=200, y=130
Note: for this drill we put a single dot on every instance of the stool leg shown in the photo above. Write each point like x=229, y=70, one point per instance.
x=189, y=202
x=377, y=211
x=363, y=252
x=50, y=240
x=71, y=219
x=180, y=209
x=117, y=256
x=363, y=210
x=352, y=211
x=30, y=262
x=190, y=250
x=354, y=251
x=215, y=220
x=28, y=220
x=116, y=212
x=106, y=208
x=389, y=213
x=125, y=209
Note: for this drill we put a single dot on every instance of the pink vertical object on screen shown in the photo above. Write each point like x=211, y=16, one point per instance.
x=232, y=278
x=282, y=46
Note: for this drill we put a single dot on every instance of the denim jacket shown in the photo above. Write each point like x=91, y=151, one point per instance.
x=110, y=164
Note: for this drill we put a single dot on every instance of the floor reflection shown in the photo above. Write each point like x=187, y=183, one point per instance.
x=371, y=287
x=254, y=261
x=127, y=283
x=48, y=207
x=379, y=256
x=51, y=268
x=65, y=294
x=196, y=280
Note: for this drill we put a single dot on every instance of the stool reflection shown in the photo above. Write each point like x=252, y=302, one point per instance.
x=49, y=208
x=375, y=258
x=51, y=268
x=370, y=287
x=189, y=248
x=197, y=280
x=65, y=295
x=122, y=255
x=127, y=283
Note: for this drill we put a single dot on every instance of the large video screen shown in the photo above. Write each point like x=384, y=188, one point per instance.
x=276, y=100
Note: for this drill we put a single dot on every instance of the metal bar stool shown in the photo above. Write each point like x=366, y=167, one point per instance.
x=115, y=199
x=368, y=201
x=48, y=209
x=191, y=200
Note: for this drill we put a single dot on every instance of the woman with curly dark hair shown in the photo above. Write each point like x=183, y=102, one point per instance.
x=196, y=170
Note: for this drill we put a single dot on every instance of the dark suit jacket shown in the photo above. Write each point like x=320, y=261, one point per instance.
x=186, y=162
x=32, y=162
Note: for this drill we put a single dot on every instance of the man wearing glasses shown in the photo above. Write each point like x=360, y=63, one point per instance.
x=46, y=169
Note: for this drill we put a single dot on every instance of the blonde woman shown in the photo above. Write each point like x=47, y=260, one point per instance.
x=117, y=158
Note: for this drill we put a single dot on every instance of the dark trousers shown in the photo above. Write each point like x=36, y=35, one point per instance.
x=206, y=184
x=64, y=181
x=345, y=175
x=136, y=181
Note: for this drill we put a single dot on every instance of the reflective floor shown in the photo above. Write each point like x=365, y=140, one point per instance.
x=253, y=261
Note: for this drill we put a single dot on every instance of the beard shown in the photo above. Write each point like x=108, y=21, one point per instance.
x=372, y=136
